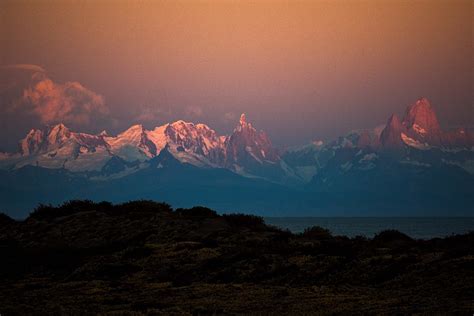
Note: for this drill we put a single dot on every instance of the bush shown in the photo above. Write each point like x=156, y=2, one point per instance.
x=49, y=212
x=5, y=219
x=317, y=232
x=391, y=235
x=197, y=211
x=142, y=206
x=245, y=220
x=392, y=239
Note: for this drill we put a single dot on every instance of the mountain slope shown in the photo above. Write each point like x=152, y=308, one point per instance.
x=163, y=178
x=409, y=166
x=246, y=151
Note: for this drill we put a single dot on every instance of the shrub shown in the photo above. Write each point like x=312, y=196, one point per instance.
x=5, y=219
x=46, y=212
x=49, y=212
x=317, y=232
x=197, y=211
x=391, y=235
x=392, y=239
x=142, y=206
x=245, y=220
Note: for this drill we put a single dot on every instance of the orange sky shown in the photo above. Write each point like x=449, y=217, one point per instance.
x=302, y=70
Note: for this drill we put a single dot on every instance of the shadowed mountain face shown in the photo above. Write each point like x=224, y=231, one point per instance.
x=411, y=166
x=144, y=257
x=391, y=134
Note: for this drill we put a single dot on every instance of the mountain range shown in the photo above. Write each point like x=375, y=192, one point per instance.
x=408, y=166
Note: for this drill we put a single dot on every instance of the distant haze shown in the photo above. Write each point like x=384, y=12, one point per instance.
x=300, y=70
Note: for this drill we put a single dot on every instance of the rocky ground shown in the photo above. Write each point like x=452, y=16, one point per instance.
x=145, y=258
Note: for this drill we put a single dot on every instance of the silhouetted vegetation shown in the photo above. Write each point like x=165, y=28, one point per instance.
x=317, y=232
x=142, y=257
x=392, y=238
x=48, y=212
x=245, y=220
x=197, y=211
x=5, y=219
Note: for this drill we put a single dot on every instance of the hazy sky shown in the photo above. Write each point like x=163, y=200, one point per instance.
x=301, y=70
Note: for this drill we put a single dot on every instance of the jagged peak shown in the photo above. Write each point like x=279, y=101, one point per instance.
x=421, y=115
x=244, y=124
x=393, y=120
x=181, y=122
x=59, y=127
x=391, y=134
x=136, y=126
x=58, y=133
x=423, y=101
x=243, y=119
x=34, y=131
x=202, y=126
x=161, y=127
x=133, y=129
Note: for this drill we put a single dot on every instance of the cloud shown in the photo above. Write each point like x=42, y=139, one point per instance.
x=28, y=92
x=30, y=67
x=69, y=103
x=195, y=111
x=29, y=99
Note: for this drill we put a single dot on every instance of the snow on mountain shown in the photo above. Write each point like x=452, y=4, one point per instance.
x=196, y=144
x=421, y=117
x=246, y=144
x=57, y=147
x=132, y=144
x=246, y=151
x=420, y=129
x=414, y=143
x=417, y=137
x=422, y=124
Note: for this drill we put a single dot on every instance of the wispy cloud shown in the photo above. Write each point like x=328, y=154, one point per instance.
x=30, y=67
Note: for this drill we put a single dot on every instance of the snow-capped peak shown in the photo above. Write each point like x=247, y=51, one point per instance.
x=421, y=117
x=246, y=144
x=32, y=142
x=58, y=134
x=132, y=130
x=132, y=144
x=197, y=144
x=243, y=120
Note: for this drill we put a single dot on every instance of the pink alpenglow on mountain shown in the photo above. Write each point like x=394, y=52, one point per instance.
x=420, y=128
x=196, y=144
x=246, y=144
x=246, y=151
x=391, y=135
x=421, y=123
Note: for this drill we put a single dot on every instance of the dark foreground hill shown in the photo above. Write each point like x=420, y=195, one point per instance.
x=145, y=258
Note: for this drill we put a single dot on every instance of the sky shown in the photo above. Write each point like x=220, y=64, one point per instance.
x=300, y=70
